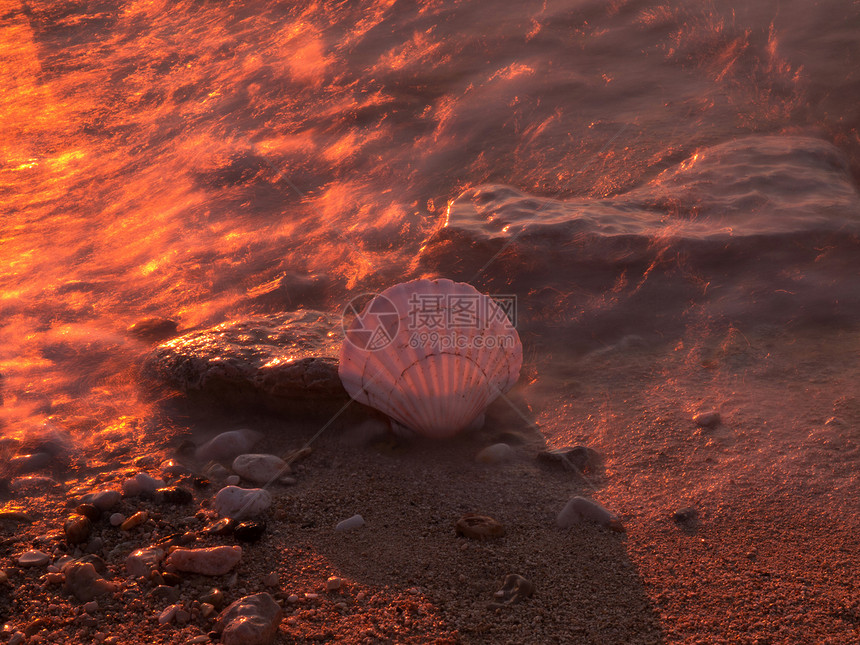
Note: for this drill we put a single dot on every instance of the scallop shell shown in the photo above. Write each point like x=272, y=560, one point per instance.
x=431, y=354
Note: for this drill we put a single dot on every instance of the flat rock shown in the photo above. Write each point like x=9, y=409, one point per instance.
x=283, y=361
x=479, y=527
x=242, y=503
x=212, y=561
x=259, y=468
x=580, y=509
x=252, y=620
x=33, y=559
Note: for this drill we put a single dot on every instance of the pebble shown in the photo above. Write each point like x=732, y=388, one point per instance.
x=228, y=445
x=572, y=458
x=89, y=511
x=707, y=419
x=252, y=620
x=91, y=607
x=143, y=561
x=134, y=521
x=249, y=531
x=167, y=614
x=33, y=559
x=77, y=529
x=116, y=519
x=515, y=589
x=686, y=515
x=141, y=485
x=214, y=597
x=242, y=503
x=581, y=509
x=354, y=522
x=171, y=579
x=172, y=468
x=174, y=495
x=272, y=579
x=224, y=526
x=260, y=468
x=479, y=527
x=206, y=610
x=498, y=453
x=232, y=480
x=333, y=583
x=211, y=561
x=22, y=464
x=95, y=545
x=182, y=616
x=165, y=592
x=217, y=472
x=84, y=582
x=103, y=500
x=292, y=599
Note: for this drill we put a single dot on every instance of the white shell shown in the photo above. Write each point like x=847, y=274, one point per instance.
x=418, y=356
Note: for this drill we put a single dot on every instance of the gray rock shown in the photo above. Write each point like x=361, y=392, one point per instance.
x=350, y=523
x=103, y=500
x=242, y=503
x=259, y=468
x=580, y=509
x=141, y=484
x=228, y=445
x=285, y=361
x=252, y=620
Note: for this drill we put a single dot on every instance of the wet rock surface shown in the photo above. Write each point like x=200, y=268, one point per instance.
x=284, y=361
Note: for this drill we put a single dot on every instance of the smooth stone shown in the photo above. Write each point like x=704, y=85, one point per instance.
x=167, y=614
x=95, y=545
x=171, y=579
x=23, y=464
x=211, y=561
x=228, y=445
x=84, y=582
x=217, y=472
x=686, y=515
x=174, y=495
x=354, y=522
x=141, y=484
x=88, y=511
x=206, y=610
x=242, y=503
x=134, y=521
x=252, y=620
x=116, y=519
x=165, y=593
x=479, y=527
x=214, y=597
x=272, y=579
x=232, y=480
x=260, y=468
x=515, y=589
x=33, y=559
x=97, y=562
x=286, y=361
x=91, y=607
x=498, y=453
x=707, y=419
x=142, y=562
x=333, y=583
x=172, y=468
x=580, y=509
x=103, y=500
x=249, y=531
x=224, y=526
x=77, y=529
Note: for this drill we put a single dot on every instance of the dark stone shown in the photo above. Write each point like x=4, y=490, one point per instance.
x=687, y=515
x=88, y=511
x=77, y=529
x=153, y=329
x=287, y=361
x=249, y=531
x=578, y=459
x=171, y=579
x=224, y=526
x=165, y=593
x=23, y=464
x=174, y=495
x=515, y=589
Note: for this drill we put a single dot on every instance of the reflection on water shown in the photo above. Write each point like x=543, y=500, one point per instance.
x=201, y=160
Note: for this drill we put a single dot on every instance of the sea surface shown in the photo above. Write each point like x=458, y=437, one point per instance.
x=635, y=172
